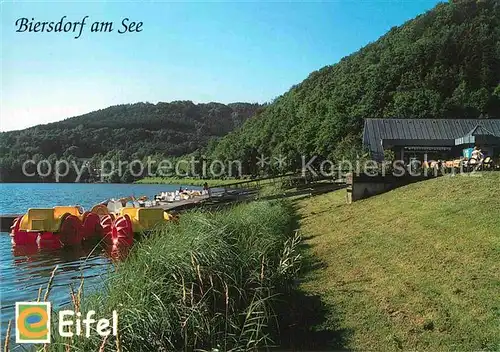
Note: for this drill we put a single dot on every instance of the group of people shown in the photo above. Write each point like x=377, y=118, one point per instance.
x=182, y=194
x=476, y=159
x=206, y=190
x=114, y=205
x=143, y=201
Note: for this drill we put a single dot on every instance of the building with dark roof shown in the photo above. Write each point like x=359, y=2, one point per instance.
x=427, y=139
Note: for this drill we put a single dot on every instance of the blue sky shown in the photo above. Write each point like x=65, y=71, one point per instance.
x=223, y=52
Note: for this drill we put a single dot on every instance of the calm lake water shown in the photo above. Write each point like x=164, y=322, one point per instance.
x=24, y=270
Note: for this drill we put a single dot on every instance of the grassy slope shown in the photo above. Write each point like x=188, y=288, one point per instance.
x=415, y=268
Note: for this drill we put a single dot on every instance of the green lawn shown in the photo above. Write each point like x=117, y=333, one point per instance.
x=417, y=268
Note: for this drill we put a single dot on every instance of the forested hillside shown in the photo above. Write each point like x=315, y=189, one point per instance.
x=442, y=64
x=132, y=131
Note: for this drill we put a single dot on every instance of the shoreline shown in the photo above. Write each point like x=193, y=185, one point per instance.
x=116, y=183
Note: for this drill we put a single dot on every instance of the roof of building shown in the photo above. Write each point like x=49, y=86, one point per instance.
x=480, y=130
x=414, y=131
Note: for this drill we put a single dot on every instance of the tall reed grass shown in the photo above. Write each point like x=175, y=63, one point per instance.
x=210, y=282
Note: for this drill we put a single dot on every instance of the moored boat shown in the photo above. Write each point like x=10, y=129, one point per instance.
x=69, y=225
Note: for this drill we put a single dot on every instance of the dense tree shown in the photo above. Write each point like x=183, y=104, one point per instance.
x=442, y=64
x=123, y=132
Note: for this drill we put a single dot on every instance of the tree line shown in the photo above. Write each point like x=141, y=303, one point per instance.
x=125, y=132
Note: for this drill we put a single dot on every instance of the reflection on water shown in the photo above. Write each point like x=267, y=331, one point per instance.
x=24, y=270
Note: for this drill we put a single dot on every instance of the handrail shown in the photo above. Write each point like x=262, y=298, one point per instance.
x=259, y=180
x=256, y=180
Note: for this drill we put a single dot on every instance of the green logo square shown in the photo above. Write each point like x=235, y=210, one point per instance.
x=33, y=322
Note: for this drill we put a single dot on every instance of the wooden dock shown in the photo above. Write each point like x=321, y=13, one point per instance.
x=182, y=204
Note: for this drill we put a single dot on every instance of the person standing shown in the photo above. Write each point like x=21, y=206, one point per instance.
x=477, y=155
x=207, y=189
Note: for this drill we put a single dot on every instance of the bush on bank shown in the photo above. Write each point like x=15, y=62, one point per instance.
x=209, y=282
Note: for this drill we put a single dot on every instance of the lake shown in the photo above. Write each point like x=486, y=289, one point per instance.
x=24, y=270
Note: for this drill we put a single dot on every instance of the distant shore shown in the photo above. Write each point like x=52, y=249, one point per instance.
x=148, y=180
x=189, y=181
